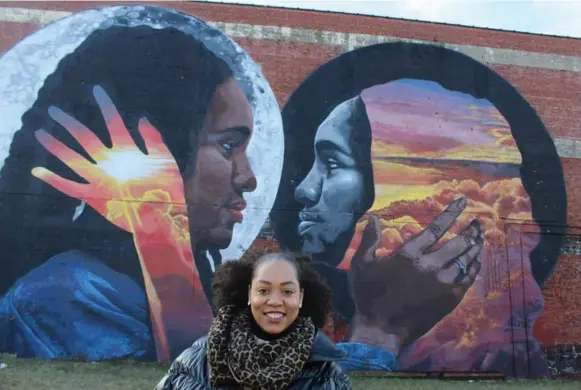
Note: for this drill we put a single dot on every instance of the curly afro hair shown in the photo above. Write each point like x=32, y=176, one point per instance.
x=231, y=281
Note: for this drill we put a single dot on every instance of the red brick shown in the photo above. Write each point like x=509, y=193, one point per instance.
x=331, y=21
x=286, y=64
x=560, y=322
x=543, y=82
x=572, y=170
x=554, y=94
x=560, y=116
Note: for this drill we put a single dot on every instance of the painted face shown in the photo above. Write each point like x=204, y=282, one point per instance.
x=275, y=295
x=222, y=172
x=333, y=190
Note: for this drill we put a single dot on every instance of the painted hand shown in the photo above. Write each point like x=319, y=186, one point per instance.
x=125, y=185
x=408, y=292
x=142, y=193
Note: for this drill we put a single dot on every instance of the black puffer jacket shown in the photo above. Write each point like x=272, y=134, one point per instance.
x=190, y=370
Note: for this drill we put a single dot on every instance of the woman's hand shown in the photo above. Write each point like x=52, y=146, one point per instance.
x=132, y=189
x=402, y=296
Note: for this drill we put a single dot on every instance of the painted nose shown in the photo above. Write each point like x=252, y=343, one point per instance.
x=244, y=179
x=309, y=191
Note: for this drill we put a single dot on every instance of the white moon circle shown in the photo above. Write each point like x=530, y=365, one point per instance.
x=25, y=66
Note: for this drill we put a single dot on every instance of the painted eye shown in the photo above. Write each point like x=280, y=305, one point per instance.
x=288, y=293
x=228, y=147
x=262, y=291
x=331, y=165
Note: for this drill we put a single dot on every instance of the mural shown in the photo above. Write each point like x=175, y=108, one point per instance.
x=146, y=148
x=427, y=204
x=137, y=165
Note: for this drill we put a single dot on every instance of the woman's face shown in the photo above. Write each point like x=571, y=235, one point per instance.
x=333, y=190
x=275, y=295
x=222, y=171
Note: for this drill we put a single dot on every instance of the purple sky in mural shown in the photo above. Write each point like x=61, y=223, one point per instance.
x=422, y=116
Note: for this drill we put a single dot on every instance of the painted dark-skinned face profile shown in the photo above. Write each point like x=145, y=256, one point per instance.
x=222, y=172
x=333, y=191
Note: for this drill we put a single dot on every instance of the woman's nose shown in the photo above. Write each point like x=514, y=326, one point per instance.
x=274, y=300
x=309, y=191
x=244, y=179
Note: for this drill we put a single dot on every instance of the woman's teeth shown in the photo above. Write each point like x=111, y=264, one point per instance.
x=274, y=315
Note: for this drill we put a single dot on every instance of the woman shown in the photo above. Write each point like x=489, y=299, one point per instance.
x=103, y=282
x=266, y=333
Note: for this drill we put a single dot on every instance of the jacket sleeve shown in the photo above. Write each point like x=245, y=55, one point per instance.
x=186, y=372
x=341, y=382
x=338, y=383
x=177, y=381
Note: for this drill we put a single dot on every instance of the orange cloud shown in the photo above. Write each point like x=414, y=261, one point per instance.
x=492, y=204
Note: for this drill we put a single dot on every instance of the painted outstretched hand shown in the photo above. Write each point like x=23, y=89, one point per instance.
x=142, y=193
x=122, y=180
x=408, y=292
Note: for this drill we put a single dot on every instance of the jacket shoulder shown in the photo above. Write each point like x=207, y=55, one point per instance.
x=192, y=359
x=324, y=349
x=319, y=375
x=336, y=378
x=332, y=370
x=188, y=371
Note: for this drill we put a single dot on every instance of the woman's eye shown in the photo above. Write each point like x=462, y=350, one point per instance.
x=288, y=293
x=262, y=291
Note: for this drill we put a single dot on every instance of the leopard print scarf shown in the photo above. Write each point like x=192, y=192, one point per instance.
x=234, y=355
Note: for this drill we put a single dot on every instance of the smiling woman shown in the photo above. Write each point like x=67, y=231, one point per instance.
x=266, y=333
x=275, y=296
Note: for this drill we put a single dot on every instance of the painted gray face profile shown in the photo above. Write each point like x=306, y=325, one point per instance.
x=333, y=190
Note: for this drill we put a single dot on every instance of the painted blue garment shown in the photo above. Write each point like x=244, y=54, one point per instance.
x=74, y=306
x=362, y=357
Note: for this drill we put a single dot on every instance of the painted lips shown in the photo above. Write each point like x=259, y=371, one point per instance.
x=305, y=226
x=308, y=220
x=236, y=211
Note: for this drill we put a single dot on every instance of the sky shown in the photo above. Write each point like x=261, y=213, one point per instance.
x=552, y=17
x=417, y=118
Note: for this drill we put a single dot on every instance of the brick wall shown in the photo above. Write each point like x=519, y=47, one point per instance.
x=544, y=69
